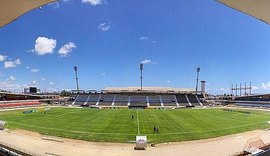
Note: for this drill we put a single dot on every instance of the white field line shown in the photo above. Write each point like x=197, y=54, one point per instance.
x=138, y=121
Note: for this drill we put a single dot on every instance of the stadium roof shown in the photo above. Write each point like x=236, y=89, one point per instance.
x=155, y=89
x=10, y=10
x=259, y=9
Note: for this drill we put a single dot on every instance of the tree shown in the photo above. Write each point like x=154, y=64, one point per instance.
x=65, y=93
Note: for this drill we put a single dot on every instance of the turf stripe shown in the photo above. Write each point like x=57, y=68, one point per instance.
x=138, y=121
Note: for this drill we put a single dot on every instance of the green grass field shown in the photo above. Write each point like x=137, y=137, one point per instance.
x=118, y=126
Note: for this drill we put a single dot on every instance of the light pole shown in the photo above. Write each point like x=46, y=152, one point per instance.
x=198, y=71
x=141, y=68
x=76, y=77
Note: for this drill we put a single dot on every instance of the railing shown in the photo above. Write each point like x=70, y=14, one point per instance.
x=18, y=150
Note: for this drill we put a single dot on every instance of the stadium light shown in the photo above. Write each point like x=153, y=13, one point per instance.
x=198, y=70
x=76, y=77
x=141, y=68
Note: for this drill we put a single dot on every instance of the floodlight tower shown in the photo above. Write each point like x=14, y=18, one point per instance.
x=76, y=77
x=141, y=68
x=198, y=71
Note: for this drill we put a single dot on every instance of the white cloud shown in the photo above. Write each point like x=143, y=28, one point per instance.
x=93, y=2
x=56, y=5
x=3, y=58
x=255, y=88
x=18, y=61
x=168, y=81
x=144, y=38
x=222, y=89
x=11, y=78
x=34, y=83
x=51, y=90
x=10, y=86
x=27, y=67
x=12, y=64
x=104, y=26
x=44, y=46
x=266, y=85
x=146, y=61
x=66, y=49
x=43, y=79
x=51, y=83
x=34, y=70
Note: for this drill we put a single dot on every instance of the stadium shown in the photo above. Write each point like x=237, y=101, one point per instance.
x=134, y=120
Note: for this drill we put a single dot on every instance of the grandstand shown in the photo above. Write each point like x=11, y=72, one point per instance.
x=106, y=100
x=10, y=100
x=256, y=100
x=121, y=100
x=182, y=100
x=19, y=103
x=132, y=97
x=137, y=100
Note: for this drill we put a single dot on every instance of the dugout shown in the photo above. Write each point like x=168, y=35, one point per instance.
x=137, y=107
x=2, y=125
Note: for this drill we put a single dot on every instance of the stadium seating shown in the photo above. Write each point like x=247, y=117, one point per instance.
x=81, y=99
x=9, y=104
x=253, y=104
x=138, y=101
x=121, y=100
x=106, y=100
x=154, y=100
x=181, y=99
x=168, y=100
x=193, y=100
x=93, y=99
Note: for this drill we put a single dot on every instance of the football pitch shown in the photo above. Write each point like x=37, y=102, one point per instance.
x=117, y=125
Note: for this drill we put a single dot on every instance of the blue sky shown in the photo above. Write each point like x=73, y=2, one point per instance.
x=108, y=39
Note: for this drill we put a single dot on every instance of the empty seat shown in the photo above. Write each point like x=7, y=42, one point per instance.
x=138, y=100
x=193, y=100
x=81, y=99
x=168, y=100
x=106, y=100
x=154, y=100
x=121, y=100
x=181, y=99
x=93, y=99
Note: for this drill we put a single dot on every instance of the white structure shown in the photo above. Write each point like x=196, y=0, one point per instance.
x=2, y=125
x=141, y=143
x=203, y=88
